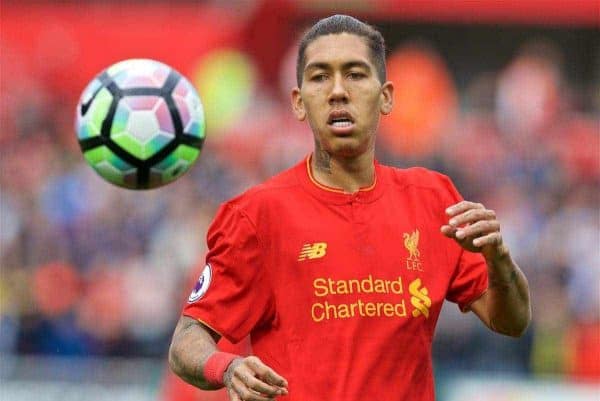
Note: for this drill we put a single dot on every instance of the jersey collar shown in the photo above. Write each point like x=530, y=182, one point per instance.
x=338, y=195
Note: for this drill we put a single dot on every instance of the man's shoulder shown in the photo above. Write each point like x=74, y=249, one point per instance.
x=420, y=177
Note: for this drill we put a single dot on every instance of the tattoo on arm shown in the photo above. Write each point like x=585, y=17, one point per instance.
x=191, y=345
x=512, y=311
x=503, y=287
x=228, y=376
x=504, y=284
x=189, y=373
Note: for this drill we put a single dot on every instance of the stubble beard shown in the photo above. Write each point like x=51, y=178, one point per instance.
x=324, y=155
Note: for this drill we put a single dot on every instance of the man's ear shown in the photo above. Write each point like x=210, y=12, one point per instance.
x=298, y=104
x=387, y=98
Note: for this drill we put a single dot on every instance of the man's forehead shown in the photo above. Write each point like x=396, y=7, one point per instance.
x=337, y=48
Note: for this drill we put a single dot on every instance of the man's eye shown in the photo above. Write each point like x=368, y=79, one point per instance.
x=356, y=75
x=319, y=77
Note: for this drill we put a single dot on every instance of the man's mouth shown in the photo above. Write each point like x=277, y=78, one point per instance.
x=341, y=123
x=340, y=119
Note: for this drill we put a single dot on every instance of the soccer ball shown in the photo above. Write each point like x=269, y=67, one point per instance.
x=140, y=124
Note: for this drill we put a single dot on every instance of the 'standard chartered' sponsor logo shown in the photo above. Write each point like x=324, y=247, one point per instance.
x=313, y=251
x=327, y=290
x=419, y=299
x=201, y=285
x=368, y=297
x=411, y=243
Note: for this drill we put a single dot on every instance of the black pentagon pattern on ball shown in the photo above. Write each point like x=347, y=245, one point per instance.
x=142, y=166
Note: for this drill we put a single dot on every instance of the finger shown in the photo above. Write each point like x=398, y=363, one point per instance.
x=471, y=216
x=448, y=231
x=482, y=227
x=491, y=239
x=245, y=393
x=233, y=396
x=266, y=373
x=462, y=206
x=247, y=376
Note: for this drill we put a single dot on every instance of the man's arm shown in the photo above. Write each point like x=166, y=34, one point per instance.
x=191, y=346
x=505, y=306
x=246, y=379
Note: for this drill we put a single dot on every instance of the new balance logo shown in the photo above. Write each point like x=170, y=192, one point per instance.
x=419, y=299
x=313, y=251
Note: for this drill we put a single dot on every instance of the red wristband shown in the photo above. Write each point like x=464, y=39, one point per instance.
x=216, y=365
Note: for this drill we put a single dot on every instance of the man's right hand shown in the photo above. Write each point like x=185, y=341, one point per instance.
x=249, y=379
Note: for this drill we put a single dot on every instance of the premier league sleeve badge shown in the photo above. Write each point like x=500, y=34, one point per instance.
x=201, y=285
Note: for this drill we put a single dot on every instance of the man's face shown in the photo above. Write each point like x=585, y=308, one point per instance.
x=341, y=96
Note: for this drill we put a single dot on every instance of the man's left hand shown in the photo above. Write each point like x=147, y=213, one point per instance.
x=476, y=229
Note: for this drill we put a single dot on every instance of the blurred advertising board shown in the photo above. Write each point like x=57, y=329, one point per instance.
x=511, y=388
x=537, y=12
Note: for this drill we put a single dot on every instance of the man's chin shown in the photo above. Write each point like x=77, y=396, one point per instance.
x=350, y=149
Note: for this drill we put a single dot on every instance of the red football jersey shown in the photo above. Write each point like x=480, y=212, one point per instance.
x=340, y=293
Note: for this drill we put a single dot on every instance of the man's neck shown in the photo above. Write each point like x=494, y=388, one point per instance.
x=348, y=174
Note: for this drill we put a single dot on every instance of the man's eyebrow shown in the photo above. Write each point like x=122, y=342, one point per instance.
x=356, y=63
x=317, y=65
x=347, y=65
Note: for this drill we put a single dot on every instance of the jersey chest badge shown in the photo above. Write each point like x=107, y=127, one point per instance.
x=411, y=243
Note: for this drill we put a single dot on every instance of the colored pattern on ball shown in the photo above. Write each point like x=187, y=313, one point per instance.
x=142, y=125
x=176, y=164
x=191, y=110
x=90, y=124
x=139, y=73
x=109, y=165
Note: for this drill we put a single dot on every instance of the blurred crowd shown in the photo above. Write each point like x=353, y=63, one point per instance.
x=91, y=269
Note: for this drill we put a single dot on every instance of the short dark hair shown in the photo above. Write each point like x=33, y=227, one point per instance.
x=344, y=24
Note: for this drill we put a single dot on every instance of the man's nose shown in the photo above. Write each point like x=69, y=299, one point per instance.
x=338, y=91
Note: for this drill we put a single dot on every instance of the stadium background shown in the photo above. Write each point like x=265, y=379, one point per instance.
x=504, y=96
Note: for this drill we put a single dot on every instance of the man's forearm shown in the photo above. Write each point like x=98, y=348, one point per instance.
x=509, y=306
x=190, y=348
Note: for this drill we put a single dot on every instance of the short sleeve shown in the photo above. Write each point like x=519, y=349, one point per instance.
x=232, y=295
x=470, y=278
